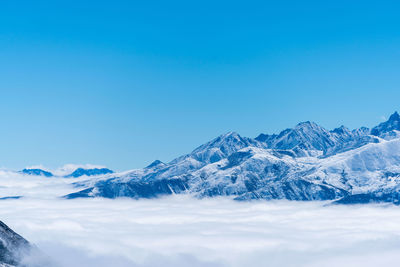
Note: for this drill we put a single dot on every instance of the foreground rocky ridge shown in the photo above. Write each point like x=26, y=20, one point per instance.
x=13, y=247
x=17, y=251
x=306, y=162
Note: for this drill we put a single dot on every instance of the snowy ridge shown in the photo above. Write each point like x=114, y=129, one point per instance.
x=67, y=171
x=306, y=162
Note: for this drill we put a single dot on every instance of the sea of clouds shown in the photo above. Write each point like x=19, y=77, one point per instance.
x=182, y=231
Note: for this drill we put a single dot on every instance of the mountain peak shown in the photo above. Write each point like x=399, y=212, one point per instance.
x=230, y=134
x=394, y=117
x=220, y=140
x=392, y=124
x=308, y=125
x=89, y=172
x=220, y=147
x=341, y=130
x=155, y=163
x=37, y=172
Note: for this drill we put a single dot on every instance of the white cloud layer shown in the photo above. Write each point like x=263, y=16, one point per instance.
x=179, y=231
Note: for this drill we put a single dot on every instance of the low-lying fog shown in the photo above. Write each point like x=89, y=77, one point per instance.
x=180, y=231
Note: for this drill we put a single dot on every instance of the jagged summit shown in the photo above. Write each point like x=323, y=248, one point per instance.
x=394, y=117
x=229, y=134
x=155, y=163
x=392, y=124
x=306, y=162
x=230, y=137
x=305, y=139
x=341, y=130
x=220, y=147
x=307, y=125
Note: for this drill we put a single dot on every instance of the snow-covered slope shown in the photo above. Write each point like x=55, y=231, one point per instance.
x=310, y=139
x=307, y=162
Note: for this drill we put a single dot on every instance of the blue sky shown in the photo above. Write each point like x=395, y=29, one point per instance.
x=122, y=83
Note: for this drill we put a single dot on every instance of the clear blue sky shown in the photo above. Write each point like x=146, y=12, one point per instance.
x=122, y=83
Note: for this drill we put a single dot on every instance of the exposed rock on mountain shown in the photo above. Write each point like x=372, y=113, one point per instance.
x=16, y=251
x=38, y=172
x=89, y=172
x=307, y=162
x=393, y=124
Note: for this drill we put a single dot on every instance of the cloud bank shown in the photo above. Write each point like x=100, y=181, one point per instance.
x=180, y=231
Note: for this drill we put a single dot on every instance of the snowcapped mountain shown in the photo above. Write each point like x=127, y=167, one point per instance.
x=310, y=139
x=306, y=162
x=37, y=172
x=77, y=172
x=89, y=172
x=393, y=124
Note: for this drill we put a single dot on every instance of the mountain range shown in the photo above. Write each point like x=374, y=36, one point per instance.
x=307, y=162
x=78, y=172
